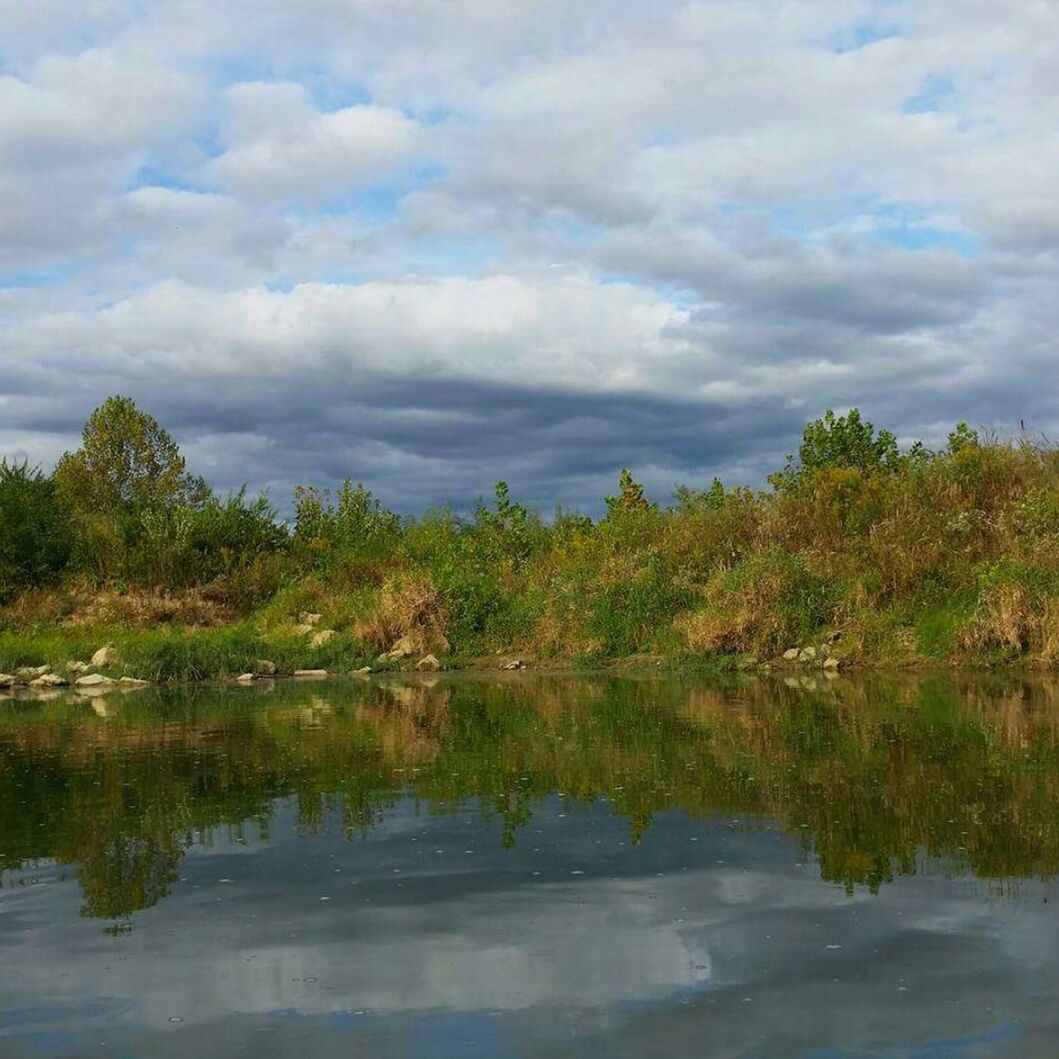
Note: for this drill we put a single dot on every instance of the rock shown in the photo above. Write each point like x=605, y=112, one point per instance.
x=133, y=682
x=310, y=673
x=104, y=656
x=49, y=680
x=245, y=678
x=310, y=619
x=322, y=637
x=429, y=664
x=30, y=672
x=807, y=654
x=92, y=680
x=304, y=630
x=363, y=671
x=791, y=654
x=264, y=668
x=403, y=648
x=513, y=664
x=831, y=663
x=77, y=667
x=7, y=680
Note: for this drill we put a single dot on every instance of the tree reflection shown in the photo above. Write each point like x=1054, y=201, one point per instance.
x=874, y=775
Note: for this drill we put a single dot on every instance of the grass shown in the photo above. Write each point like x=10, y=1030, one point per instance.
x=181, y=654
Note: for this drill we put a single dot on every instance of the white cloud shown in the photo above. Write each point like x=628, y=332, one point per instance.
x=756, y=205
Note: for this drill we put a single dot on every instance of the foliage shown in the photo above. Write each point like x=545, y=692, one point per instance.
x=924, y=554
x=35, y=532
x=126, y=458
x=839, y=442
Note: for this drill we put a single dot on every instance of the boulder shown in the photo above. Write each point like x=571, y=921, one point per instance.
x=807, y=654
x=7, y=680
x=310, y=619
x=791, y=654
x=831, y=663
x=92, y=680
x=513, y=664
x=27, y=673
x=49, y=680
x=363, y=671
x=104, y=656
x=310, y=673
x=245, y=678
x=322, y=637
x=77, y=667
x=264, y=668
x=428, y=664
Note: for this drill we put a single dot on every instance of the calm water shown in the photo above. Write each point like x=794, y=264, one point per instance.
x=532, y=867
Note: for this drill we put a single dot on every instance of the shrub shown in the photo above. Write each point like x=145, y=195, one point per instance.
x=35, y=531
x=765, y=604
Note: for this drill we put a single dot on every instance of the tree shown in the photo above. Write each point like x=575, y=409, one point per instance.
x=630, y=496
x=35, y=532
x=126, y=460
x=839, y=442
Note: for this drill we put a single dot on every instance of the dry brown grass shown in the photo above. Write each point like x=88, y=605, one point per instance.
x=409, y=608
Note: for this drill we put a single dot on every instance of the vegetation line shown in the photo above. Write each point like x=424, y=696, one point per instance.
x=863, y=552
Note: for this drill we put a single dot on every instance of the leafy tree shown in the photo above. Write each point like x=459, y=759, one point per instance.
x=356, y=524
x=126, y=460
x=711, y=499
x=839, y=442
x=963, y=437
x=35, y=531
x=630, y=498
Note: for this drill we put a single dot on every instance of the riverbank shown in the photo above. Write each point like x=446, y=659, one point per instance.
x=108, y=658
x=860, y=552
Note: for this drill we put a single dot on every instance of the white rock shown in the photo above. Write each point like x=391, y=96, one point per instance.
x=92, y=680
x=428, y=663
x=831, y=663
x=6, y=680
x=322, y=637
x=133, y=682
x=245, y=678
x=77, y=667
x=310, y=619
x=807, y=654
x=791, y=654
x=310, y=673
x=363, y=671
x=104, y=656
x=49, y=680
x=264, y=668
x=30, y=672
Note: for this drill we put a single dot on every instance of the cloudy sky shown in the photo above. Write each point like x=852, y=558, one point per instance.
x=432, y=243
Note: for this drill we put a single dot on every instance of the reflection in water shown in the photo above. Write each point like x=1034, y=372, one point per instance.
x=356, y=853
x=871, y=775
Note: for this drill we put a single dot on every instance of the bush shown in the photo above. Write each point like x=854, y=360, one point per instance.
x=765, y=604
x=35, y=532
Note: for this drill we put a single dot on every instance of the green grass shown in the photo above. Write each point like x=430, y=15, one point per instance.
x=181, y=654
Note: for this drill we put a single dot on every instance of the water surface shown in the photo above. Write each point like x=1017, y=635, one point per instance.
x=532, y=866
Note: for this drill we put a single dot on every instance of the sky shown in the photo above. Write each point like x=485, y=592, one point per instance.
x=429, y=244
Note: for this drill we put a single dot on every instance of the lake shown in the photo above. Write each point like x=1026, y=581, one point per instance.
x=524, y=866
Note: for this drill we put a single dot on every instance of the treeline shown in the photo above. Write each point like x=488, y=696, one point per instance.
x=888, y=554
